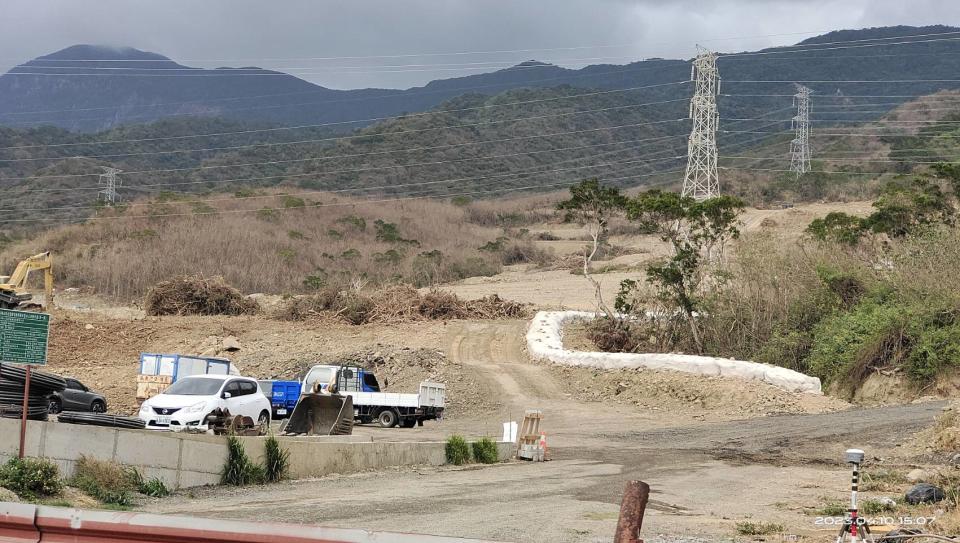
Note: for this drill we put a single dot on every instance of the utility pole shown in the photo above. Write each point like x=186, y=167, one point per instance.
x=109, y=178
x=701, y=180
x=800, y=146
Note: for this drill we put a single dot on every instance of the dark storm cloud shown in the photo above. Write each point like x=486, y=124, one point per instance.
x=274, y=33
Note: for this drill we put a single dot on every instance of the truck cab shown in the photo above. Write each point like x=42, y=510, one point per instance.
x=349, y=379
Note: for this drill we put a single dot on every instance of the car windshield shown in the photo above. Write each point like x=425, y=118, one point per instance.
x=194, y=387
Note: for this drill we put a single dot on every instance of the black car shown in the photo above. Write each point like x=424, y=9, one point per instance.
x=77, y=397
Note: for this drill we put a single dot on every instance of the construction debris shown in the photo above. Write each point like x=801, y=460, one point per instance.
x=221, y=422
x=197, y=295
x=531, y=441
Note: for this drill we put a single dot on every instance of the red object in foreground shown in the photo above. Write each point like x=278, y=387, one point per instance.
x=23, y=523
x=23, y=416
x=635, y=496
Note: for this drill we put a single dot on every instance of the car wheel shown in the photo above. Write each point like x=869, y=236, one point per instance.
x=264, y=422
x=55, y=406
x=388, y=418
x=98, y=407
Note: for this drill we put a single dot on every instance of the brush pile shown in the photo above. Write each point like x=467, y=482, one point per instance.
x=197, y=295
x=399, y=304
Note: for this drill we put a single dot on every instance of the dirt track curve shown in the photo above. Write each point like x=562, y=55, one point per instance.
x=705, y=477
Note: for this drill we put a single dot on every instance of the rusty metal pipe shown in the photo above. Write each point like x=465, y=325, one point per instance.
x=635, y=496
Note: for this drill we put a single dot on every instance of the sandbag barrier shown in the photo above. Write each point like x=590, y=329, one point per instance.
x=545, y=342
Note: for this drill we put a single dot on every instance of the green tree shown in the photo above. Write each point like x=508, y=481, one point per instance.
x=697, y=231
x=592, y=205
x=902, y=209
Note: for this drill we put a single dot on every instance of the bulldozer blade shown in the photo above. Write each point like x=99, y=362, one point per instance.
x=321, y=415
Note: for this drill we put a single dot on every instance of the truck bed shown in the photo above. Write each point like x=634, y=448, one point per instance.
x=430, y=395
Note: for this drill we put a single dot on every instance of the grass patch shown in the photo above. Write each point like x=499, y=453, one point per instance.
x=874, y=507
x=457, y=450
x=485, y=451
x=882, y=480
x=832, y=508
x=108, y=482
x=758, y=528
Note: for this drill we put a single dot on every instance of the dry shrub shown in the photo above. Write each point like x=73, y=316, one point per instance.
x=614, y=336
x=946, y=432
x=293, y=253
x=399, y=303
x=196, y=295
x=524, y=252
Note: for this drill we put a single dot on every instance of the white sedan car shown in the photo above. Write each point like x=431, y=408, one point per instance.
x=188, y=401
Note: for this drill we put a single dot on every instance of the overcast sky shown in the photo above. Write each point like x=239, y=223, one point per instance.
x=289, y=35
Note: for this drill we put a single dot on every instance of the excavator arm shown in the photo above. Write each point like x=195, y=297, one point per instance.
x=13, y=288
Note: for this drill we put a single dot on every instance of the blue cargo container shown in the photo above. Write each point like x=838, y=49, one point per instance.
x=283, y=396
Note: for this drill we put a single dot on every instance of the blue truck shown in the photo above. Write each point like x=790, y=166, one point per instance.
x=283, y=396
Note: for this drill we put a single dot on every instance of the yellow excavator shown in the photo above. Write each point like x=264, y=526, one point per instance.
x=13, y=288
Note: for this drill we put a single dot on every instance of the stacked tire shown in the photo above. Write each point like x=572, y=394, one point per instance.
x=12, y=379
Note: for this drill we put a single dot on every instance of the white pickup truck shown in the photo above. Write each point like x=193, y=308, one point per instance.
x=389, y=409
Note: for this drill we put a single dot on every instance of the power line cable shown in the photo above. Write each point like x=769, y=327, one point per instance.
x=341, y=138
x=366, y=120
x=334, y=204
x=354, y=170
x=351, y=155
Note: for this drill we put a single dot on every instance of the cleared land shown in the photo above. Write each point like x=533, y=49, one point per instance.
x=715, y=451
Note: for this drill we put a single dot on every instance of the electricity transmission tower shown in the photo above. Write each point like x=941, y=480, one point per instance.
x=800, y=146
x=109, y=178
x=701, y=180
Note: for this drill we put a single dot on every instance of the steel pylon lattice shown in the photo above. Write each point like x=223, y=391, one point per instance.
x=109, y=179
x=701, y=180
x=800, y=146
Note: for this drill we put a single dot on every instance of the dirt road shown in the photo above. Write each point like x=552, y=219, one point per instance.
x=705, y=477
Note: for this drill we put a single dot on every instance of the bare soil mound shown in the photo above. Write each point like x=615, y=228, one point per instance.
x=710, y=398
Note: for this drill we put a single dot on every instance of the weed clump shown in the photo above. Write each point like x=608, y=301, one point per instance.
x=485, y=451
x=31, y=478
x=108, y=482
x=239, y=469
x=758, y=528
x=457, y=450
x=277, y=460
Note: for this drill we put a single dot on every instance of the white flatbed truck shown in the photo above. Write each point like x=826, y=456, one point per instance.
x=389, y=409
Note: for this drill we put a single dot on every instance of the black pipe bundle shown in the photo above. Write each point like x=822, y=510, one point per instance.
x=12, y=379
x=101, y=419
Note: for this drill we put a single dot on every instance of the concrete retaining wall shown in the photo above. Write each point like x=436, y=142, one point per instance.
x=545, y=342
x=186, y=460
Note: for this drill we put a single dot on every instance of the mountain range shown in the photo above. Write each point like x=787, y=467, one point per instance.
x=92, y=88
x=531, y=126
